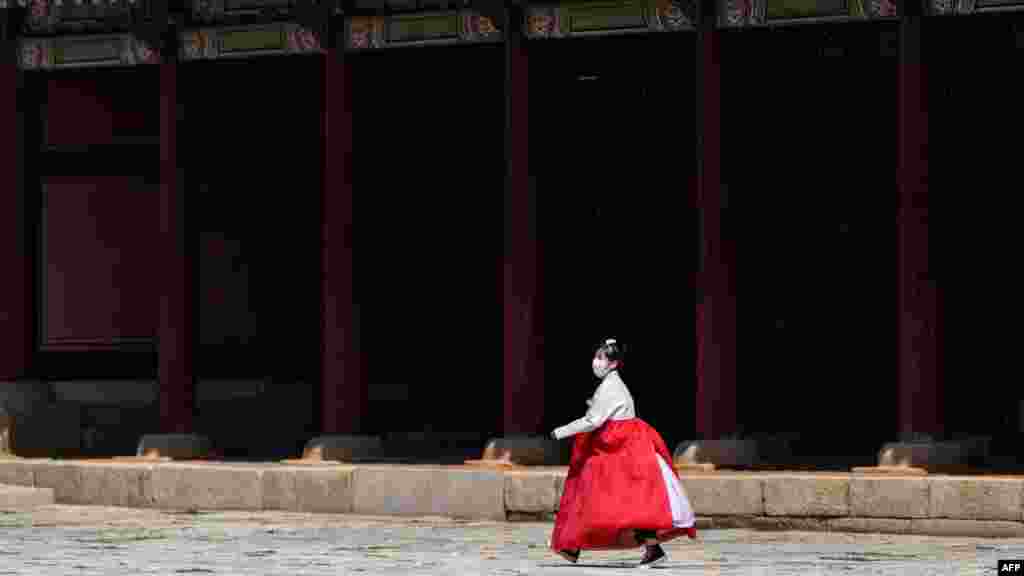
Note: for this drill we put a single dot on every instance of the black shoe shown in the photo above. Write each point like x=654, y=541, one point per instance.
x=570, y=555
x=653, y=555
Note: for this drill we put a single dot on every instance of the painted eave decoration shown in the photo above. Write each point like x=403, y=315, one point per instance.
x=950, y=7
x=407, y=6
x=423, y=29
x=210, y=11
x=609, y=17
x=742, y=13
x=84, y=52
x=82, y=16
x=249, y=41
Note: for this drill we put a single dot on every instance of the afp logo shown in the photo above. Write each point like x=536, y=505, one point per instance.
x=1011, y=567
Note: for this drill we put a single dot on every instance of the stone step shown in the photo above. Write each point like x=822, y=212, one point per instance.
x=21, y=497
x=845, y=500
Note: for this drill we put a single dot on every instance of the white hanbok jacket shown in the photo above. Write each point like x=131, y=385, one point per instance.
x=611, y=401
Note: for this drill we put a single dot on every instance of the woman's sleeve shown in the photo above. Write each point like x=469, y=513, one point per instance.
x=604, y=405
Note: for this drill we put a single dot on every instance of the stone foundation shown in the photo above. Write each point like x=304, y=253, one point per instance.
x=936, y=456
x=14, y=498
x=341, y=448
x=734, y=454
x=174, y=446
x=89, y=418
x=936, y=505
x=528, y=450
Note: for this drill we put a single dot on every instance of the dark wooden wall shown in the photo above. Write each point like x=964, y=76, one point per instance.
x=249, y=150
x=976, y=241
x=428, y=177
x=809, y=165
x=613, y=152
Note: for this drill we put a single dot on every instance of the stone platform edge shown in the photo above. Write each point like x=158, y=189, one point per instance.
x=933, y=505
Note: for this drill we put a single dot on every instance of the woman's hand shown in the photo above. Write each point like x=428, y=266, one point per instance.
x=553, y=435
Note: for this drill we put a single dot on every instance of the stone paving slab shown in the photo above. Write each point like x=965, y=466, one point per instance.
x=939, y=504
x=94, y=541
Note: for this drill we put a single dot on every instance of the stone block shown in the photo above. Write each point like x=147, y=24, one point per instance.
x=734, y=522
x=437, y=439
x=109, y=430
x=799, y=496
x=174, y=446
x=530, y=492
x=740, y=495
x=469, y=494
x=966, y=528
x=214, y=391
x=721, y=453
x=529, y=516
x=65, y=479
x=979, y=449
x=341, y=448
x=6, y=433
x=976, y=498
x=407, y=491
x=870, y=525
x=324, y=490
x=430, y=447
x=17, y=472
x=928, y=455
x=51, y=430
x=393, y=491
x=205, y=487
x=559, y=487
x=22, y=397
x=114, y=484
x=776, y=449
x=884, y=497
x=22, y=497
x=779, y=523
x=528, y=450
x=120, y=393
x=279, y=489
x=251, y=437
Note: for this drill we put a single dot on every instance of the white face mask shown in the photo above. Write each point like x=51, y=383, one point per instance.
x=601, y=367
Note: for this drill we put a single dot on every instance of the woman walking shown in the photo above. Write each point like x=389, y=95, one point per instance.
x=621, y=491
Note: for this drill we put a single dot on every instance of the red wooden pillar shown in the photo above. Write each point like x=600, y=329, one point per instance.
x=919, y=392
x=716, y=314
x=343, y=388
x=523, y=398
x=16, y=284
x=176, y=337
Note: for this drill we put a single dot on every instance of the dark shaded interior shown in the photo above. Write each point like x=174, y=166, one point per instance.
x=809, y=165
x=250, y=147
x=428, y=175
x=612, y=150
x=973, y=168
x=249, y=144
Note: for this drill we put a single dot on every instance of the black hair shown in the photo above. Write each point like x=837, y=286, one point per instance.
x=613, y=350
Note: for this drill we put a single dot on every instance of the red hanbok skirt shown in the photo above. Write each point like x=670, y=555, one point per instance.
x=615, y=486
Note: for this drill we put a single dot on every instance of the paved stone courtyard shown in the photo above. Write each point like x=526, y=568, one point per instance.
x=94, y=540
